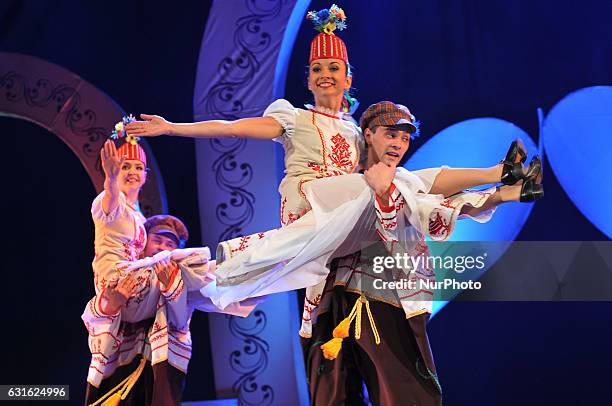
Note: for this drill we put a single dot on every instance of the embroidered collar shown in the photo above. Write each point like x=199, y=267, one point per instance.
x=325, y=111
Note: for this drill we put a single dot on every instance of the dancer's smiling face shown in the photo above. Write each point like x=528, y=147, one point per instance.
x=133, y=175
x=327, y=79
x=386, y=145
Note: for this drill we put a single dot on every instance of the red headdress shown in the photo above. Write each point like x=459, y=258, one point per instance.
x=130, y=149
x=326, y=45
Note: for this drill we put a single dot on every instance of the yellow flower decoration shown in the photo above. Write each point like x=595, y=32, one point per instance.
x=131, y=139
x=329, y=28
x=119, y=126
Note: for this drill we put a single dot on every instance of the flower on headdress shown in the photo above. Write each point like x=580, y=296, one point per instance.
x=328, y=20
x=312, y=15
x=120, y=132
x=329, y=28
x=323, y=14
x=338, y=12
x=131, y=139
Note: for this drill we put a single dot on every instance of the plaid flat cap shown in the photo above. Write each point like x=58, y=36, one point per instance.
x=388, y=114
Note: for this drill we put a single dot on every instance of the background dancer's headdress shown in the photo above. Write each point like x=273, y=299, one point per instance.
x=131, y=149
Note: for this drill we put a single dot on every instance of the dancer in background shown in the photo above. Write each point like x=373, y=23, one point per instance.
x=135, y=307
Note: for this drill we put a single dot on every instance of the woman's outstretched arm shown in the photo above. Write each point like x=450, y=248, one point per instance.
x=265, y=128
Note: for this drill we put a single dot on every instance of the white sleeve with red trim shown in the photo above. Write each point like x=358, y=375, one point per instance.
x=98, y=213
x=175, y=297
x=434, y=215
x=97, y=305
x=104, y=337
x=386, y=215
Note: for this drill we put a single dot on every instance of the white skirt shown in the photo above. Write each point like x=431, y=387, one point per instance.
x=342, y=218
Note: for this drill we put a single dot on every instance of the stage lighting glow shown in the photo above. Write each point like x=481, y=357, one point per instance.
x=577, y=140
x=480, y=142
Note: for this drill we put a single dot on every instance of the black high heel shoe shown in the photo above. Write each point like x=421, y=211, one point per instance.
x=532, y=188
x=513, y=163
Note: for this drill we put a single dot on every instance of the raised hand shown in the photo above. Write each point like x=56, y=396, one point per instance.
x=111, y=162
x=151, y=126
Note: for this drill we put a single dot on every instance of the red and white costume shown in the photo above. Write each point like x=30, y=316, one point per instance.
x=116, y=339
x=325, y=215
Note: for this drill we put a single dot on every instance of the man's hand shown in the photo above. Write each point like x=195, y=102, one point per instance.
x=379, y=177
x=163, y=269
x=152, y=126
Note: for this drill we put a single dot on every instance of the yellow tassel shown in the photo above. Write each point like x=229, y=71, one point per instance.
x=119, y=392
x=332, y=348
x=342, y=329
x=113, y=400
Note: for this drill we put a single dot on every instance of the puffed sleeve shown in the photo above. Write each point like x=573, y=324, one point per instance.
x=283, y=112
x=98, y=213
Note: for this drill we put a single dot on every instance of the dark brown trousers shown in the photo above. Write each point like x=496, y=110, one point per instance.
x=158, y=385
x=399, y=371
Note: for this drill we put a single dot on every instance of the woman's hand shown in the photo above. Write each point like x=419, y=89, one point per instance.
x=111, y=162
x=127, y=287
x=118, y=294
x=152, y=126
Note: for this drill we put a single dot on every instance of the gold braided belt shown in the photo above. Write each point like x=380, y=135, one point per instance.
x=332, y=348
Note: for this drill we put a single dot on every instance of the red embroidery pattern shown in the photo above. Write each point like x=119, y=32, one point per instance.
x=421, y=248
x=309, y=307
x=315, y=167
x=340, y=156
x=400, y=203
x=134, y=248
x=447, y=203
x=323, y=173
x=389, y=225
x=341, y=153
x=323, y=149
x=437, y=225
x=291, y=217
x=243, y=244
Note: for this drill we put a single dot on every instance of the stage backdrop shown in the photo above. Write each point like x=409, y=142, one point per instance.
x=242, y=68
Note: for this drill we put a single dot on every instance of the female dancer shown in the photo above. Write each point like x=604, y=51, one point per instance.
x=133, y=308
